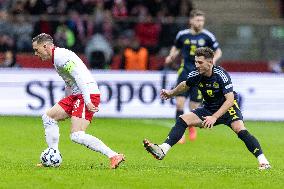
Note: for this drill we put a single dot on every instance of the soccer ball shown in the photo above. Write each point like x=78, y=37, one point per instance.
x=51, y=158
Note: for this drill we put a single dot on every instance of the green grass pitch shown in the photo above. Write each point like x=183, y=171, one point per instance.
x=217, y=159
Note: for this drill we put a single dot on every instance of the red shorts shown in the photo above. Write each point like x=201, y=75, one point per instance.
x=74, y=105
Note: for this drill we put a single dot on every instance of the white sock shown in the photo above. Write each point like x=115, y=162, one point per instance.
x=262, y=159
x=51, y=131
x=92, y=142
x=165, y=147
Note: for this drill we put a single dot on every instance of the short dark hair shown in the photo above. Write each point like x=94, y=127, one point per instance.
x=204, y=51
x=43, y=37
x=195, y=13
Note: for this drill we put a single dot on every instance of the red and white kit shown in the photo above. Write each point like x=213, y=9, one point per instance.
x=78, y=78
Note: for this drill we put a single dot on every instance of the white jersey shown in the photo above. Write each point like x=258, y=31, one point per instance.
x=75, y=73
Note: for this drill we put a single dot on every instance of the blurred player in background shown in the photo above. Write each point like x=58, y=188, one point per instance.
x=186, y=42
x=220, y=107
x=81, y=101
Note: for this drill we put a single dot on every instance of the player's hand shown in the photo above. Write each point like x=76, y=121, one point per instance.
x=91, y=107
x=169, y=59
x=166, y=94
x=209, y=121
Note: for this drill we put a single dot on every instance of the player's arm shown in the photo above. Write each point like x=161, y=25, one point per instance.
x=166, y=94
x=214, y=45
x=217, y=55
x=174, y=52
x=229, y=102
x=210, y=120
x=70, y=67
x=77, y=76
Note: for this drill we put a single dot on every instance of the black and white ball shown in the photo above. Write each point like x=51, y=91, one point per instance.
x=51, y=157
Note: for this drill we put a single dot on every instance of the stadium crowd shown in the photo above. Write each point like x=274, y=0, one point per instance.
x=98, y=28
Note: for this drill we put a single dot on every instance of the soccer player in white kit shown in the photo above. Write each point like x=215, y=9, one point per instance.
x=81, y=101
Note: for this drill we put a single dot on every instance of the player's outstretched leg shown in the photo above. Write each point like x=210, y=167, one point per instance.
x=251, y=143
x=159, y=151
x=97, y=145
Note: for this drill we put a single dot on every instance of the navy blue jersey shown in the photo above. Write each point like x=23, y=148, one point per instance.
x=188, y=43
x=212, y=88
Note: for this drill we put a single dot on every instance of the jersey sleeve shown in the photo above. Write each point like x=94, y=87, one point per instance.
x=227, y=85
x=192, y=78
x=178, y=42
x=70, y=68
x=212, y=42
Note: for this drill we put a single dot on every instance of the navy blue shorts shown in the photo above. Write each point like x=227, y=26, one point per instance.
x=193, y=93
x=233, y=114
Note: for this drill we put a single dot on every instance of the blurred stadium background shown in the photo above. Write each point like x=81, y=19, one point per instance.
x=251, y=36
x=250, y=33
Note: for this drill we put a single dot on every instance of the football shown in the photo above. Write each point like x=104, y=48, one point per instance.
x=51, y=158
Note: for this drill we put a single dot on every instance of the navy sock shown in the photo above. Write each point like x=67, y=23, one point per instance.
x=251, y=142
x=176, y=132
x=178, y=113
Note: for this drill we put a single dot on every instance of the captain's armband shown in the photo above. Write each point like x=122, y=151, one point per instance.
x=69, y=66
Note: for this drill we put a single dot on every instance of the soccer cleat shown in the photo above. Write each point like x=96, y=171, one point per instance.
x=264, y=166
x=116, y=160
x=192, y=133
x=154, y=149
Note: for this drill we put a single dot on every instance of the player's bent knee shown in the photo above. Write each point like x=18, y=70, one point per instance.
x=238, y=126
x=191, y=119
x=77, y=137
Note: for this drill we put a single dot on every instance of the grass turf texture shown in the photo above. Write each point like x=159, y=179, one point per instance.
x=217, y=159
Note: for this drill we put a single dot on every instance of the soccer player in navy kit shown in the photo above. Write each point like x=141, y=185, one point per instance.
x=220, y=107
x=186, y=42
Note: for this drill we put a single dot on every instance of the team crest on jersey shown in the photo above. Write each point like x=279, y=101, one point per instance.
x=193, y=41
x=201, y=42
x=186, y=42
x=215, y=85
x=200, y=85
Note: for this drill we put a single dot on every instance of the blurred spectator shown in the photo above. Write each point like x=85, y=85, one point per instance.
x=109, y=28
x=82, y=26
x=36, y=7
x=61, y=8
x=43, y=26
x=154, y=6
x=123, y=41
x=135, y=57
x=18, y=7
x=169, y=30
x=6, y=34
x=8, y=60
x=64, y=36
x=148, y=33
x=5, y=24
x=5, y=4
x=99, y=52
x=140, y=11
x=22, y=30
x=99, y=12
x=281, y=8
x=185, y=8
x=119, y=9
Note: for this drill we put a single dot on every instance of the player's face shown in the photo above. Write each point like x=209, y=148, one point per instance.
x=41, y=51
x=202, y=64
x=197, y=22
